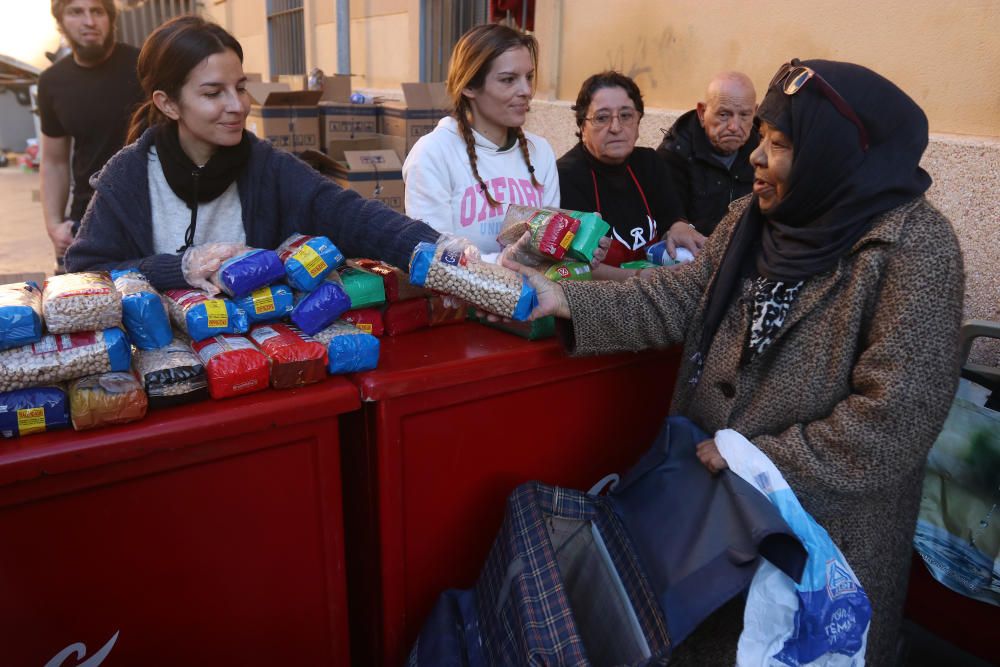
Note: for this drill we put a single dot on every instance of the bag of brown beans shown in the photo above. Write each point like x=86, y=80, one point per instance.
x=104, y=399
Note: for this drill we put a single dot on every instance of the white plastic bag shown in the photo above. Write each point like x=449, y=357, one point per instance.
x=822, y=621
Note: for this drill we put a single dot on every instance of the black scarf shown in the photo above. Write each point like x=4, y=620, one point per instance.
x=194, y=184
x=835, y=189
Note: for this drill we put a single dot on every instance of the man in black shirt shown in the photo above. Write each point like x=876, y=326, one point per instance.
x=708, y=150
x=85, y=102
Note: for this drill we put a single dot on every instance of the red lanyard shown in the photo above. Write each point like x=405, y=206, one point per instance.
x=597, y=197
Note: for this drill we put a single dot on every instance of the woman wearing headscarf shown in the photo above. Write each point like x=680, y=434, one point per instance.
x=820, y=321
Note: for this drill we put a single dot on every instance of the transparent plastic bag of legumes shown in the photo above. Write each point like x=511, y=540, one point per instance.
x=454, y=268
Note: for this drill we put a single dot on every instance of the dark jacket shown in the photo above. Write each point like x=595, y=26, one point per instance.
x=703, y=184
x=621, y=202
x=279, y=195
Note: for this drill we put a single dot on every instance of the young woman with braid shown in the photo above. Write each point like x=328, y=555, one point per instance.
x=460, y=177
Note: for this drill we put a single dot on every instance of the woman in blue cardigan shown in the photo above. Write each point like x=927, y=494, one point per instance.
x=193, y=188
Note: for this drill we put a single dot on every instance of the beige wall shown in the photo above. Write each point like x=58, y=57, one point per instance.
x=383, y=50
x=946, y=55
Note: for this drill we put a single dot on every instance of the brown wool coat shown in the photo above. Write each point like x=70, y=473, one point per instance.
x=847, y=401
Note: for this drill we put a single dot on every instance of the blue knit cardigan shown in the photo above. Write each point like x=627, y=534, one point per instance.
x=279, y=195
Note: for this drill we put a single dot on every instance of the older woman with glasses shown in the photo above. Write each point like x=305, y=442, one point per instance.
x=605, y=172
x=820, y=322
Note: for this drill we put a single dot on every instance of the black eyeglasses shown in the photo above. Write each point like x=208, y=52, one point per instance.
x=792, y=76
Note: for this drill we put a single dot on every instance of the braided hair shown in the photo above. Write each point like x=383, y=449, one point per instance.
x=470, y=63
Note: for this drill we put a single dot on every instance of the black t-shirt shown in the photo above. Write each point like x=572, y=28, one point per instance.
x=621, y=198
x=93, y=106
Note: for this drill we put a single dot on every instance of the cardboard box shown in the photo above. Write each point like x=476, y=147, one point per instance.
x=370, y=166
x=344, y=120
x=288, y=119
x=425, y=105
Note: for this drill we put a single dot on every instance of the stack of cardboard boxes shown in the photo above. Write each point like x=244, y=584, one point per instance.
x=360, y=146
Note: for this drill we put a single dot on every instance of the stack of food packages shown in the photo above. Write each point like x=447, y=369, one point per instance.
x=558, y=242
x=92, y=349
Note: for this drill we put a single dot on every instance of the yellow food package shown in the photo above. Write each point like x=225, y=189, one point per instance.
x=106, y=398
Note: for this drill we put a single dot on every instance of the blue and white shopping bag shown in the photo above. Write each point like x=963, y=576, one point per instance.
x=822, y=621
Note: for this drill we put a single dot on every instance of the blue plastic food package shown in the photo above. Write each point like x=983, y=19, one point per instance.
x=20, y=314
x=318, y=309
x=27, y=411
x=490, y=287
x=59, y=357
x=349, y=349
x=308, y=260
x=657, y=254
x=143, y=313
x=242, y=274
x=267, y=303
x=200, y=316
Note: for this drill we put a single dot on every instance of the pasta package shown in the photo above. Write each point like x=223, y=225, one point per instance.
x=242, y=274
x=349, y=349
x=56, y=358
x=81, y=302
x=200, y=316
x=568, y=271
x=233, y=364
x=490, y=287
x=20, y=314
x=36, y=410
x=308, y=260
x=105, y=399
x=267, y=304
x=172, y=374
x=296, y=358
x=363, y=288
x=143, y=313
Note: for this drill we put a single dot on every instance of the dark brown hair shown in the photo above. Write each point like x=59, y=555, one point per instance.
x=59, y=6
x=606, y=79
x=470, y=63
x=167, y=58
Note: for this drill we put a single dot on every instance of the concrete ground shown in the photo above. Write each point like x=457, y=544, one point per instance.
x=24, y=245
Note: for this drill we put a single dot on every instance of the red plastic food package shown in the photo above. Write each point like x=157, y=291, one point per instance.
x=296, y=359
x=404, y=316
x=233, y=364
x=368, y=320
x=552, y=233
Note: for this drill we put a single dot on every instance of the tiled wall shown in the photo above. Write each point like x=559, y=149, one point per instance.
x=966, y=172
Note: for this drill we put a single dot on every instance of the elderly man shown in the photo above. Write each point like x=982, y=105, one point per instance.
x=708, y=151
x=85, y=101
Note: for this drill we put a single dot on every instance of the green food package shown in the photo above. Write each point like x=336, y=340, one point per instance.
x=364, y=288
x=592, y=229
x=568, y=271
x=639, y=264
x=544, y=327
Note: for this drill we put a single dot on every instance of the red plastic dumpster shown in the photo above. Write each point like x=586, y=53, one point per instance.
x=208, y=534
x=454, y=418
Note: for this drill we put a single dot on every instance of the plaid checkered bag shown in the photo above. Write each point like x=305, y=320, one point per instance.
x=580, y=579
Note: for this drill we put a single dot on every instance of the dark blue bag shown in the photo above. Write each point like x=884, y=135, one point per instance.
x=581, y=579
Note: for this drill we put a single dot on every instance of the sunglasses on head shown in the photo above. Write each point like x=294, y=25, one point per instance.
x=792, y=76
